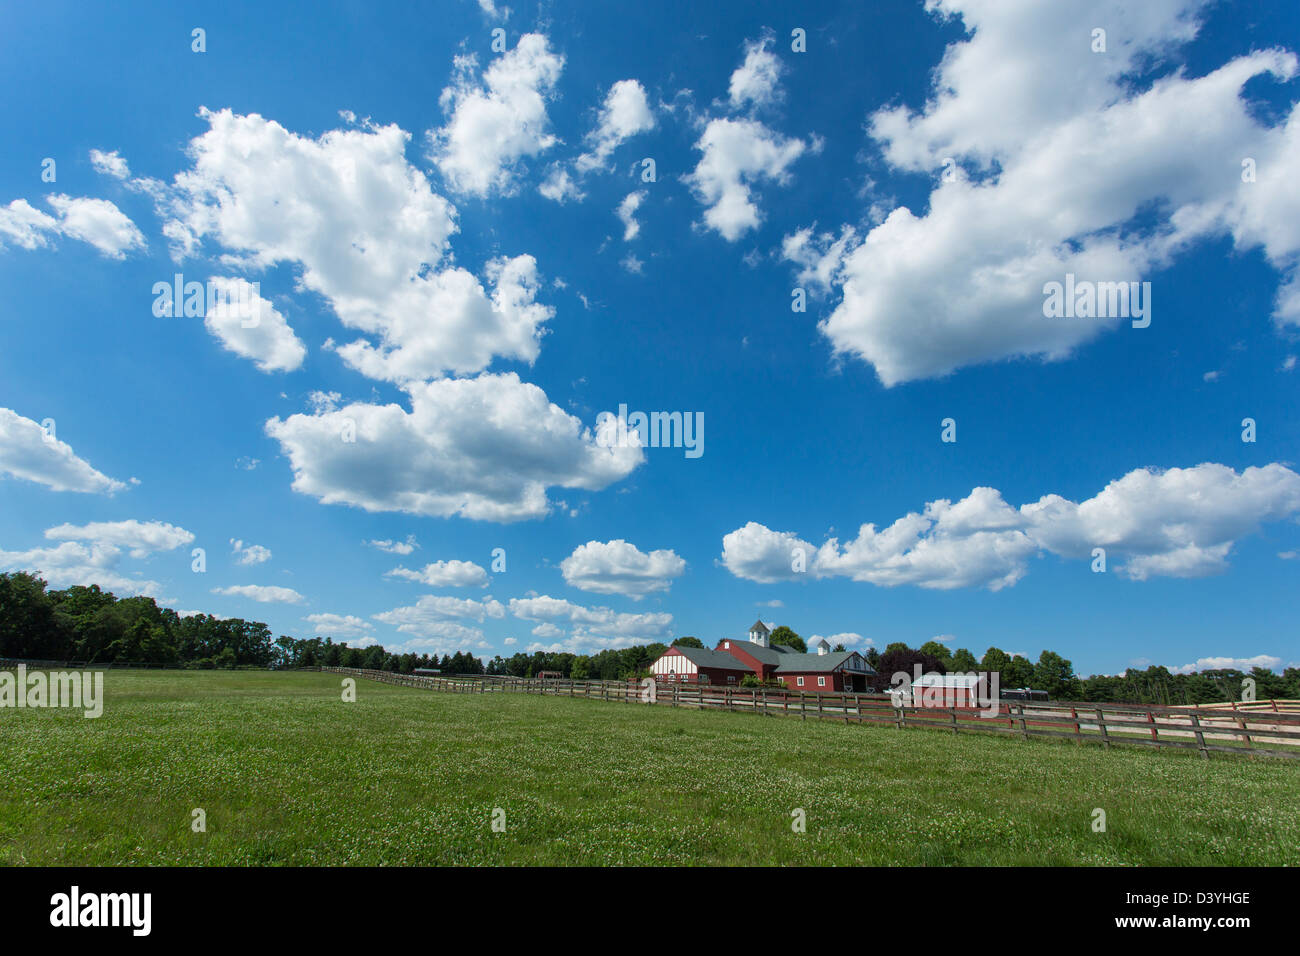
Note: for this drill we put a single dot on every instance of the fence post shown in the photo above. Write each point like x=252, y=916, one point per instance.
x=1078, y=731
x=1024, y=728
x=1101, y=725
x=953, y=713
x=1200, y=735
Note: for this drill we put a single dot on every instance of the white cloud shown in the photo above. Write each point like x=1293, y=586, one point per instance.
x=250, y=326
x=1053, y=153
x=339, y=625
x=140, y=538
x=740, y=152
x=1266, y=661
x=484, y=448
x=619, y=567
x=74, y=563
x=95, y=221
x=592, y=627
x=109, y=164
x=368, y=234
x=850, y=639
x=737, y=154
x=262, y=593
x=453, y=574
x=756, y=81
x=436, y=619
x=496, y=123
x=560, y=187
x=90, y=554
x=29, y=452
x=395, y=547
x=1182, y=522
x=98, y=222
x=249, y=554
x=627, y=214
x=625, y=113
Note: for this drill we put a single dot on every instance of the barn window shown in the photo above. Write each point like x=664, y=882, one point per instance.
x=821, y=682
x=800, y=679
x=731, y=678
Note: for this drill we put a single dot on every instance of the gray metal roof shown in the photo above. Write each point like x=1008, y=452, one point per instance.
x=817, y=663
x=703, y=657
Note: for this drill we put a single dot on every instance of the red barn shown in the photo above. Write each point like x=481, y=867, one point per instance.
x=698, y=664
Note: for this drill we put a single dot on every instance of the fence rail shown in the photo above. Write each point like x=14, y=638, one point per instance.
x=1260, y=730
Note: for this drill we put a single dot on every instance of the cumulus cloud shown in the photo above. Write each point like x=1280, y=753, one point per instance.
x=438, y=620
x=95, y=221
x=109, y=164
x=560, y=187
x=1051, y=157
x=737, y=154
x=139, y=538
x=262, y=593
x=250, y=326
x=756, y=81
x=454, y=574
x=627, y=214
x=498, y=120
x=740, y=152
x=395, y=547
x=30, y=452
x=591, y=627
x=625, y=113
x=484, y=448
x=851, y=640
x=1182, y=522
x=368, y=234
x=91, y=554
x=619, y=567
x=339, y=625
x=1266, y=661
x=249, y=554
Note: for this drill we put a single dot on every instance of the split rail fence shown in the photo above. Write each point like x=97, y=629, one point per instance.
x=1270, y=728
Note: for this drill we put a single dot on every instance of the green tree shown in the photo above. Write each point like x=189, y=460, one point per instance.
x=688, y=642
x=1054, y=674
x=963, y=660
x=995, y=659
x=938, y=652
x=788, y=638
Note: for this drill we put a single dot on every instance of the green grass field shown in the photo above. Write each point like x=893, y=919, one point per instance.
x=290, y=774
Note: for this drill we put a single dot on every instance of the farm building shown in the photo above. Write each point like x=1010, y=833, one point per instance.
x=728, y=663
x=698, y=664
x=950, y=690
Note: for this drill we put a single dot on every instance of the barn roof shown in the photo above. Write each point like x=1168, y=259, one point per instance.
x=772, y=654
x=703, y=657
x=816, y=663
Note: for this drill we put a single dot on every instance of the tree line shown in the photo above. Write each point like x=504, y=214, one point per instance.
x=90, y=625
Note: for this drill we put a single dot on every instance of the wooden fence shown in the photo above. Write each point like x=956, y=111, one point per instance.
x=1260, y=729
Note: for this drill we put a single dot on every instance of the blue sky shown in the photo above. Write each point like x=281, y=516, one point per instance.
x=433, y=229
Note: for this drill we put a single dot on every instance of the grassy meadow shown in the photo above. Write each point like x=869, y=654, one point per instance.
x=288, y=773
